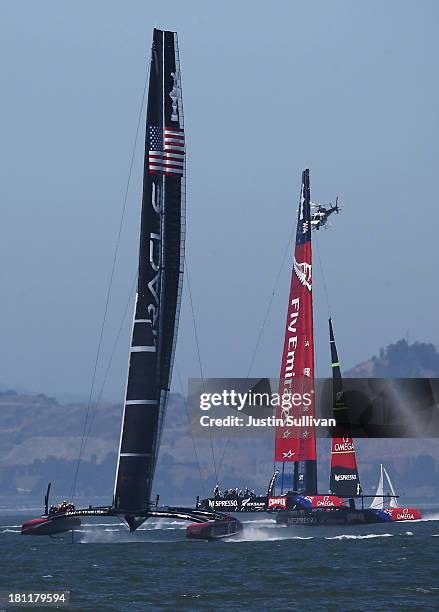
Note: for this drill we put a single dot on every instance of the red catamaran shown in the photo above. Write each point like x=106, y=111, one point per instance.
x=295, y=447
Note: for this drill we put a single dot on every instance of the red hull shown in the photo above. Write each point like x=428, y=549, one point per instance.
x=403, y=514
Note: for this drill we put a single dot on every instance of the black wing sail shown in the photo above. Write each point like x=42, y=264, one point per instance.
x=159, y=282
x=344, y=479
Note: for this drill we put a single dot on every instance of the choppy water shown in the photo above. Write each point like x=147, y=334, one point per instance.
x=284, y=568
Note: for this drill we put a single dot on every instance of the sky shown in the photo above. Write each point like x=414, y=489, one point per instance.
x=345, y=88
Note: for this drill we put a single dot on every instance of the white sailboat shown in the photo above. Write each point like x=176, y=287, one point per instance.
x=378, y=500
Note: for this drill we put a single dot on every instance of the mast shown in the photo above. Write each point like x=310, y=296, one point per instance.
x=344, y=479
x=378, y=500
x=296, y=444
x=159, y=286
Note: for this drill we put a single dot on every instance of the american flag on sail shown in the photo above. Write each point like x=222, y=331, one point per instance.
x=165, y=150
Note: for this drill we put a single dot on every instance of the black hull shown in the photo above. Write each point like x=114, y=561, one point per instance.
x=257, y=503
x=214, y=525
x=214, y=530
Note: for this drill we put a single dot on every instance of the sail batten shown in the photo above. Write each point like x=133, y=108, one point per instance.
x=161, y=257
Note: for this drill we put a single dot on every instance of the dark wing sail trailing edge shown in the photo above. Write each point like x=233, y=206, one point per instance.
x=297, y=444
x=344, y=479
x=159, y=280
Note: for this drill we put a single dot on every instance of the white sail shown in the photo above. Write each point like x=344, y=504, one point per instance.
x=393, y=500
x=378, y=501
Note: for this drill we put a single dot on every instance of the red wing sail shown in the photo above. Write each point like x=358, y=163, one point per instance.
x=344, y=480
x=295, y=442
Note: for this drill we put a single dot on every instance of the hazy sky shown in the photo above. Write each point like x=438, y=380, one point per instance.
x=348, y=89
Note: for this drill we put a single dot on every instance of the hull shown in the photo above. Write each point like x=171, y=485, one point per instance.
x=214, y=530
x=346, y=516
x=47, y=525
x=256, y=503
x=207, y=524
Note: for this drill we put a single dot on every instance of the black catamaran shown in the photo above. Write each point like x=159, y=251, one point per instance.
x=156, y=316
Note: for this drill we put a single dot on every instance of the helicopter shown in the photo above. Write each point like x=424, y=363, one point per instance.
x=319, y=218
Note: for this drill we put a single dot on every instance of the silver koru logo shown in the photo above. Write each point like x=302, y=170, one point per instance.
x=174, y=95
x=303, y=272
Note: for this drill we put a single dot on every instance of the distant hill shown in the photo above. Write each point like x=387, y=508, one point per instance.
x=400, y=360
x=40, y=440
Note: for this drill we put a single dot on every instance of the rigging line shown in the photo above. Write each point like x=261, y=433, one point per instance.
x=261, y=330
x=110, y=284
x=113, y=352
x=202, y=480
x=270, y=301
x=325, y=290
x=322, y=272
x=200, y=365
x=199, y=359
